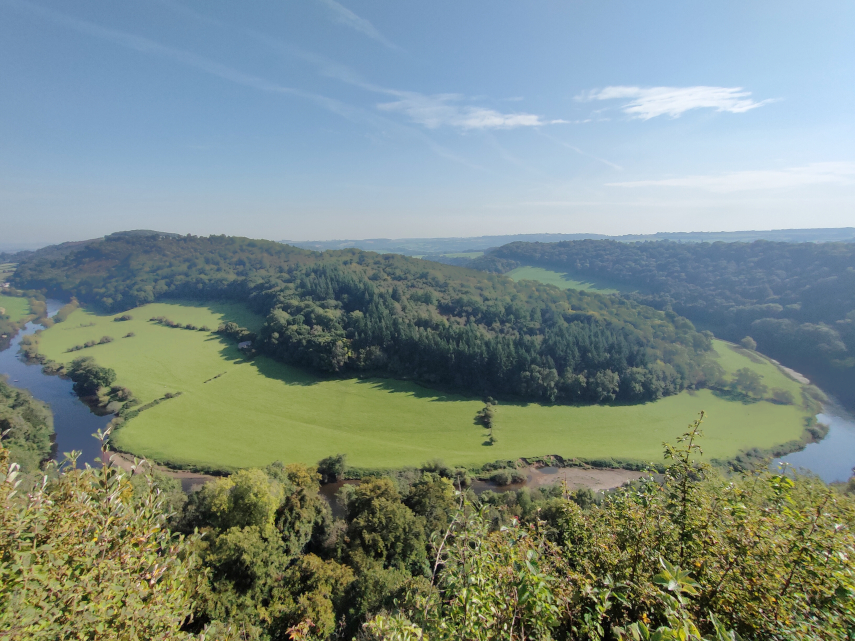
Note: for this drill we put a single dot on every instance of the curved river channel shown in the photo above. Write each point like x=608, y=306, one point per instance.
x=832, y=459
x=73, y=421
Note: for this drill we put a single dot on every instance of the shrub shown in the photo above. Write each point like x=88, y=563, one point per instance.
x=748, y=343
x=85, y=559
x=782, y=397
x=332, y=468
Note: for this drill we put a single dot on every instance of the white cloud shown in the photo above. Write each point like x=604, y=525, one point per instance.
x=819, y=173
x=445, y=110
x=647, y=103
x=345, y=16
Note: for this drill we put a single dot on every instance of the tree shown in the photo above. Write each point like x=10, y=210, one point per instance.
x=89, y=377
x=383, y=529
x=246, y=498
x=748, y=343
x=332, y=468
x=82, y=558
x=747, y=381
x=782, y=397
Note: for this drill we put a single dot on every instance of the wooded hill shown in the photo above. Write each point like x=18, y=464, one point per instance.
x=351, y=311
x=796, y=300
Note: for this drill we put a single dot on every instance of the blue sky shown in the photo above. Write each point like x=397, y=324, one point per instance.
x=320, y=119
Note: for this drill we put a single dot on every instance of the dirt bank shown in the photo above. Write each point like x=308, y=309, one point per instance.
x=190, y=481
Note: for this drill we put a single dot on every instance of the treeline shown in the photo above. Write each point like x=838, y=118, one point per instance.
x=26, y=427
x=797, y=301
x=415, y=555
x=344, y=312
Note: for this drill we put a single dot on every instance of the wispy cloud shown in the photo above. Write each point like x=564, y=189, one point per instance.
x=580, y=152
x=345, y=16
x=819, y=173
x=650, y=102
x=151, y=47
x=432, y=112
x=446, y=110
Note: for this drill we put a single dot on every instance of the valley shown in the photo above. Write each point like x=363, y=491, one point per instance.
x=259, y=410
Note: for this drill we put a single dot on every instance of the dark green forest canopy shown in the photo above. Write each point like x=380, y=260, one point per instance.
x=797, y=300
x=351, y=311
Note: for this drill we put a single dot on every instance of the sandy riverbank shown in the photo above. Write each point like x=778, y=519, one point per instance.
x=190, y=481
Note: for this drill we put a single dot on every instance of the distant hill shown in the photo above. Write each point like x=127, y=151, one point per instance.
x=796, y=300
x=438, y=246
x=63, y=249
x=349, y=312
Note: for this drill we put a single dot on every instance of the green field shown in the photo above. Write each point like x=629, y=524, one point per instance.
x=260, y=411
x=16, y=307
x=563, y=281
x=464, y=255
x=6, y=271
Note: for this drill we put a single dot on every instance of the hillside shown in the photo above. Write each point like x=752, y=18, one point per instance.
x=442, y=247
x=797, y=301
x=345, y=312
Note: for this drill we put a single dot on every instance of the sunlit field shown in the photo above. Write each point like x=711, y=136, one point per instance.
x=259, y=411
x=16, y=307
x=562, y=281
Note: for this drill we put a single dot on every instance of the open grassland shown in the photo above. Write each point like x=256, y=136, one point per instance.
x=16, y=307
x=562, y=281
x=6, y=270
x=260, y=411
x=464, y=255
x=733, y=357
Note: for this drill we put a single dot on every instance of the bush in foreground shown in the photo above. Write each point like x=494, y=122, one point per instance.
x=690, y=555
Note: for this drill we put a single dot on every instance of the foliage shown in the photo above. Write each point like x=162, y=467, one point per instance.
x=81, y=558
x=26, y=427
x=332, y=468
x=351, y=311
x=688, y=556
x=695, y=556
x=381, y=528
x=796, y=301
x=89, y=377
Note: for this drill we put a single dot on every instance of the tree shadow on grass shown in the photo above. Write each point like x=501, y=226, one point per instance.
x=417, y=390
x=735, y=397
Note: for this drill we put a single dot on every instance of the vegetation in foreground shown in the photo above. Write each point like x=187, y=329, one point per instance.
x=234, y=411
x=94, y=554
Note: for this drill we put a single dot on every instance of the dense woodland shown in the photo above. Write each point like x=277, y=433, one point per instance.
x=689, y=555
x=26, y=426
x=797, y=301
x=345, y=312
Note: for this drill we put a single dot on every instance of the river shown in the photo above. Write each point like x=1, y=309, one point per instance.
x=73, y=421
x=832, y=459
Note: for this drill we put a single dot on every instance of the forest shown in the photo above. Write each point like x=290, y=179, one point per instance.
x=796, y=300
x=99, y=553
x=347, y=312
x=26, y=426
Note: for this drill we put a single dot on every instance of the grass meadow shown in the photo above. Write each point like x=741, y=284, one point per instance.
x=16, y=307
x=563, y=281
x=259, y=411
